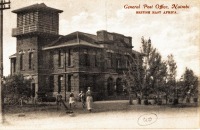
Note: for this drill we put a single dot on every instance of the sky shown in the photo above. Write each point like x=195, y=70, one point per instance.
x=176, y=34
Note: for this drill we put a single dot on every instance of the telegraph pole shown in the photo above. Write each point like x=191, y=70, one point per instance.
x=4, y=4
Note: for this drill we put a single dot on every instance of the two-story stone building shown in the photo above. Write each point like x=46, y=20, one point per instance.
x=61, y=64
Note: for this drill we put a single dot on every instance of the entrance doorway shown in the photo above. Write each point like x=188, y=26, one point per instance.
x=110, y=86
x=119, y=86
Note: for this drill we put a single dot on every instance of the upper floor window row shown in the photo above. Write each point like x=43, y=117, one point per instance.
x=22, y=60
x=62, y=55
x=90, y=58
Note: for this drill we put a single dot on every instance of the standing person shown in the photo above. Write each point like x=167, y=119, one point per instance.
x=71, y=100
x=89, y=99
x=82, y=98
x=58, y=99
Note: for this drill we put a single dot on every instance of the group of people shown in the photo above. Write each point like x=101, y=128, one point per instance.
x=85, y=98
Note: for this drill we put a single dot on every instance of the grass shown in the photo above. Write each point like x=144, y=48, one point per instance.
x=101, y=106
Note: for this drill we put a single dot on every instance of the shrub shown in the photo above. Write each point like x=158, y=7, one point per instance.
x=16, y=86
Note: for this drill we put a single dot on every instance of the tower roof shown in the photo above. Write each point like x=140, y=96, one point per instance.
x=37, y=7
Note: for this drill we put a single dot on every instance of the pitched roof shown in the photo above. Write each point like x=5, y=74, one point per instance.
x=71, y=45
x=94, y=37
x=36, y=7
x=62, y=41
x=75, y=35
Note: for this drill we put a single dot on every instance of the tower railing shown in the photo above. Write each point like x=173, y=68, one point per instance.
x=31, y=28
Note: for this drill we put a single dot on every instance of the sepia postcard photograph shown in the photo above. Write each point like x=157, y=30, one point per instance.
x=99, y=64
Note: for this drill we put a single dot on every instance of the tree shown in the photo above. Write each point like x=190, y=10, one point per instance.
x=189, y=86
x=154, y=69
x=160, y=82
x=16, y=87
x=133, y=76
x=148, y=73
x=171, y=78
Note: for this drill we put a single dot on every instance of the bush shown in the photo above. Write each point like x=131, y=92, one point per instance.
x=17, y=86
x=175, y=101
x=146, y=102
x=138, y=101
x=195, y=99
x=49, y=99
x=159, y=102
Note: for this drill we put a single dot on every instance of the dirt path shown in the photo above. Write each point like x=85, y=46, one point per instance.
x=123, y=117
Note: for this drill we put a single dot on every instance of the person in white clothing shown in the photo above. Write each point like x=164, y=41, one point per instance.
x=71, y=100
x=89, y=99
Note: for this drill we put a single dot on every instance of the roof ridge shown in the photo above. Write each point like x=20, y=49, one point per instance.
x=80, y=32
x=36, y=6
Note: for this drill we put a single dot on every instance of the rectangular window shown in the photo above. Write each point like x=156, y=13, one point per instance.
x=30, y=63
x=21, y=61
x=95, y=59
x=60, y=58
x=109, y=60
x=98, y=59
x=69, y=83
x=51, y=61
x=126, y=62
x=112, y=60
x=13, y=65
x=69, y=57
x=118, y=63
x=51, y=83
x=108, y=63
x=60, y=78
x=86, y=58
